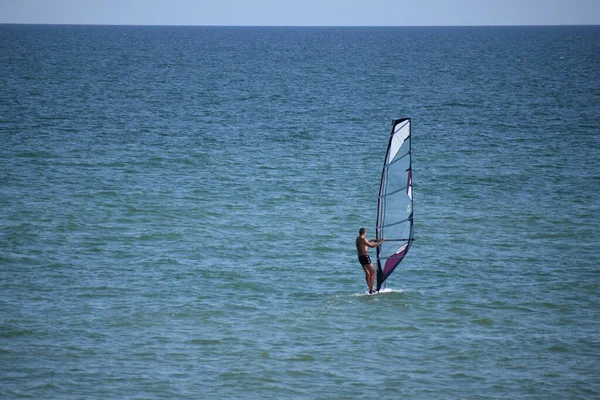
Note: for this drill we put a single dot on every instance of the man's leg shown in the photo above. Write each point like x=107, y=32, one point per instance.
x=367, y=275
x=370, y=276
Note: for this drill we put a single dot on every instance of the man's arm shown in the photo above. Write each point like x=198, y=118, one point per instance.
x=370, y=244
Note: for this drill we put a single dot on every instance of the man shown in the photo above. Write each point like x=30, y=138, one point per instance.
x=362, y=247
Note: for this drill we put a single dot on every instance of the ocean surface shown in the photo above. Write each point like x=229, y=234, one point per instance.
x=178, y=209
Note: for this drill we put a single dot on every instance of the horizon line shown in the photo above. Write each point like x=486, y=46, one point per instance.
x=297, y=26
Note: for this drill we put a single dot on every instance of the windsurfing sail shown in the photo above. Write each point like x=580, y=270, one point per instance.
x=395, y=204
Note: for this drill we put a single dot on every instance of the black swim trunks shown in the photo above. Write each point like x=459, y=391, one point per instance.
x=364, y=259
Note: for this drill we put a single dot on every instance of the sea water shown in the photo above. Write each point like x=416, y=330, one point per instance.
x=178, y=209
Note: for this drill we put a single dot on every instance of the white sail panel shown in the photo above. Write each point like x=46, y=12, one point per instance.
x=400, y=134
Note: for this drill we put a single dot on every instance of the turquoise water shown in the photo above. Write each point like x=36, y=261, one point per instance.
x=178, y=209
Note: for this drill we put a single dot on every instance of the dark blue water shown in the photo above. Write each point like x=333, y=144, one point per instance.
x=178, y=208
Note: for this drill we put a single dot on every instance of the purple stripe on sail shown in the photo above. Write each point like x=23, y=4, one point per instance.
x=393, y=261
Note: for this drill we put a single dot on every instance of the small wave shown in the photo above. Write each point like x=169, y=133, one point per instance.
x=205, y=342
x=558, y=349
x=13, y=333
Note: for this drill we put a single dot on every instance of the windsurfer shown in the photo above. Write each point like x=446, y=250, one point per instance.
x=362, y=247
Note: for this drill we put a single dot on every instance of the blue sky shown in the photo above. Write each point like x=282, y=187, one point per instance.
x=303, y=12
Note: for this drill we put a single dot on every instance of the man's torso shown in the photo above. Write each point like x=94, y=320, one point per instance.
x=361, y=247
